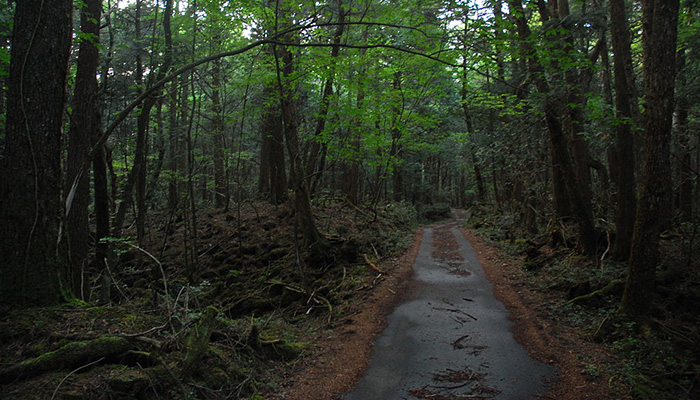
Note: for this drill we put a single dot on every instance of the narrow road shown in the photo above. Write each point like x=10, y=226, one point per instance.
x=451, y=338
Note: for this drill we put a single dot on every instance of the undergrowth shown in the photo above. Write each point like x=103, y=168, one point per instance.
x=211, y=326
x=655, y=361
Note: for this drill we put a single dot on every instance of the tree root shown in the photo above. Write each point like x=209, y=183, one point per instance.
x=612, y=286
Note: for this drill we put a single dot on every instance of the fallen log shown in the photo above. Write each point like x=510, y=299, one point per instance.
x=70, y=356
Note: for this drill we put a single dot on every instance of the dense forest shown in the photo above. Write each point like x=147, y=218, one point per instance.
x=189, y=168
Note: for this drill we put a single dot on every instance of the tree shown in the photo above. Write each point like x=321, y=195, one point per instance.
x=31, y=210
x=137, y=176
x=562, y=160
x=660, y=27
x=84, y=128
x=272, y=180
x=286, y=69
x=625, y=100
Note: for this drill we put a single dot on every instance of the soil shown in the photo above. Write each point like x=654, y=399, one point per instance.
x=344, y=350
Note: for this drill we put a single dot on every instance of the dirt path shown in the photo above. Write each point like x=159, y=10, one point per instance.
x=343, y=356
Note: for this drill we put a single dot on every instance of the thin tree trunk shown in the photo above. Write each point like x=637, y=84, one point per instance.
x=396, y=147
x=302, y=201
x=221, y=194
x=480, y=188
x=174, y=150
x=624, y=172
x=685, y=172
x=137, y=176
x=318, y=146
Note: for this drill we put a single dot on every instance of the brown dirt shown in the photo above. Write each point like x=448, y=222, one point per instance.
x=344, y=350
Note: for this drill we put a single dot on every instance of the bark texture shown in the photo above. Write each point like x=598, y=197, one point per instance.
x=84, y=127
x=625, y=96
x=30, y=189
x=659, y=24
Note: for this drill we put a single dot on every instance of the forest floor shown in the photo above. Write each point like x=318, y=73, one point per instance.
x=244, y=312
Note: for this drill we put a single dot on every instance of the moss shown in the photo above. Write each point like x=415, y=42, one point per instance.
x=69, y=356
x=197, y=341
x=99, y=310
x=128, y=381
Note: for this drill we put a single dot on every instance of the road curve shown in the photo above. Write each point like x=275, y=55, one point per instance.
x=451, y=338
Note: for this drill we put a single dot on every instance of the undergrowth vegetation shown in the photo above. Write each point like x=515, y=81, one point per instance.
x=658, y=360
x=208, y=326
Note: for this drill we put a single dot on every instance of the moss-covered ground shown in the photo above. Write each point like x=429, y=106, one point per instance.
x=200, y=314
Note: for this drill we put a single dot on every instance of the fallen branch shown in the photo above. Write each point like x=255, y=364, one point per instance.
x=371, y=265
x=53, y=396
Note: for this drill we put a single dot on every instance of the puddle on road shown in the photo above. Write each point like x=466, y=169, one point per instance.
x=450, y=339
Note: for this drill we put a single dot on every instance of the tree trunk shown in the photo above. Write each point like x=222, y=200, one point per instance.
x=290, y=117
x=314, y=166
x=221, y=193
x=396, y=147
x=480, y=188
x=174, y=154
x=30, y=188
x=84, y=127
x=273, y=176
x=685, y=170
x=137, y=176
x=625, y=96
x=561, y=157
x=659, y=24
x=351, y=167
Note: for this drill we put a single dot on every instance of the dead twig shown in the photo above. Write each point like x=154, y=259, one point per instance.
x=71, y=373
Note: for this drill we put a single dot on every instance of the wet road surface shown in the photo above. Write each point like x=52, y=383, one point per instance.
x=451, y=338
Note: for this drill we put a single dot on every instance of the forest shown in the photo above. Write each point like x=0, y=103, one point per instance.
x=208, y=182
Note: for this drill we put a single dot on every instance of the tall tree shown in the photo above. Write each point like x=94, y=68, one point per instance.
x=272, y=180
x=659, y=36
x=84, y=128
x=625, y=98
x=31, y=210
x=317, y=154
x=137, y=176
x=561, y=155
x=286, y=71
